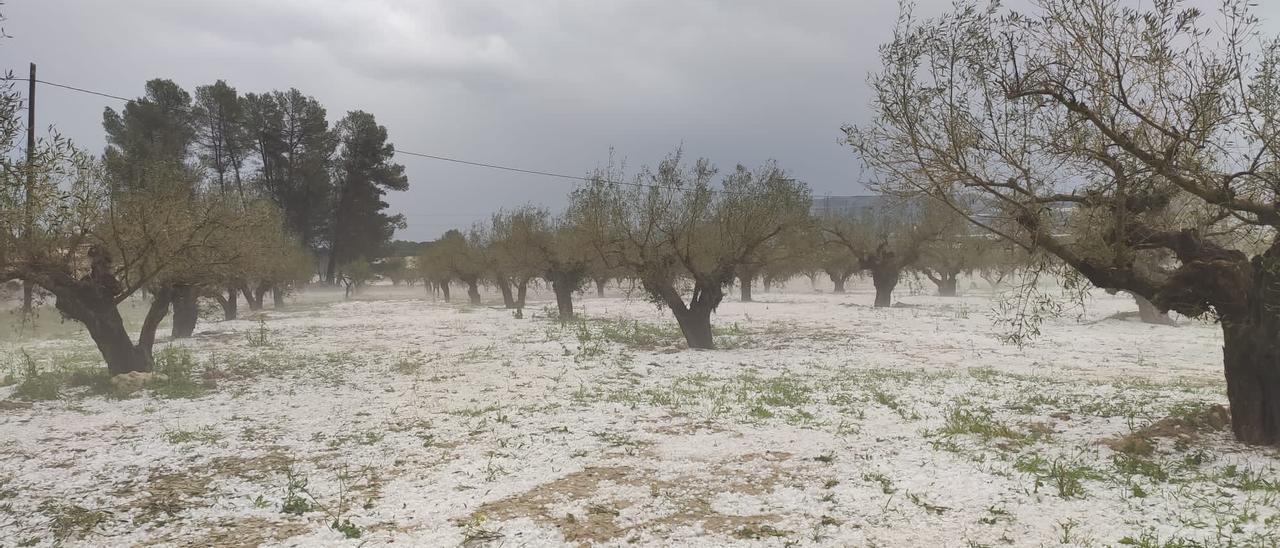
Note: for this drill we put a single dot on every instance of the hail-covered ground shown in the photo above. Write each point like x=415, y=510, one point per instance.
x=396, y=419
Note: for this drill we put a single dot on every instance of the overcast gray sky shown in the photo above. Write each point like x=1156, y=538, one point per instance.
x=546, y=85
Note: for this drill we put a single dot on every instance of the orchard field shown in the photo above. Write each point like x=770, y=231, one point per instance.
x=397, y=419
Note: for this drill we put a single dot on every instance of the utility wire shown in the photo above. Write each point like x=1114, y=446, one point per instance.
x=90, y=92
x=192, y=112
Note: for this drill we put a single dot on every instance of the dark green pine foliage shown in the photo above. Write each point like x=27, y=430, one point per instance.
x=292, y=144
x=364, y=173
x=149, y=141
x=222, y=141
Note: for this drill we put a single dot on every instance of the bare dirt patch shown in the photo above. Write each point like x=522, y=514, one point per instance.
x=240, y=533
x=674, y=500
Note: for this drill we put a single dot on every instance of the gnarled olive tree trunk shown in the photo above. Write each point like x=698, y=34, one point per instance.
x=1251, y=353
x=945, y=280
x=473, y=289
x=1245, y=293
x=885, y=278
x=1251, y=362
x=838, y=278
x=92, y=300
x=255, y=295
x=695, y=317
x=744, y=287
x=504, y=287
x=564, y=299
x=230, y=302
x=695, y=324
x=186, y=310
x=102, y=319
x=522, y=291
x=600, y=283
x=746, y=275
x=565, y=278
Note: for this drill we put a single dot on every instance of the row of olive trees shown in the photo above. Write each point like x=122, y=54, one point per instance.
x=683, y=234
x=519, y=247
x=681, y=231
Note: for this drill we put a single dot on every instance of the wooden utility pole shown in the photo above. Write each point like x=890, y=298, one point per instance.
x=31, y=182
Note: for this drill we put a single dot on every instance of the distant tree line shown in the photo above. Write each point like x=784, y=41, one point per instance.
x=683, y=233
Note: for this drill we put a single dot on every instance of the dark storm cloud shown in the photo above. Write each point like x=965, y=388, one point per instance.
x=545, y=85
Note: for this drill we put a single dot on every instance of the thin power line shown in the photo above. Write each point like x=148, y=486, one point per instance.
x=505, y=168
x=90, y=92
x=397, y=151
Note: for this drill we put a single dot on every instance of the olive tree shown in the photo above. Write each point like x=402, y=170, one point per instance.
x=1120, y=111
x=956, y=249
x=250, y=250
x=432, y=267
x=885, y=241
x=460, y=256
x=833, y=259
x=514, y=248
x=354, y=276
x=685, y=239
x=92, y=247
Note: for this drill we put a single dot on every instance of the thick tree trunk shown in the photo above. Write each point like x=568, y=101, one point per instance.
x=947, y=285
x=522, y=291
x=504, y=286
x=331, y=267
x=838, y=279
x=106, y=327
x=277, y=296
x=260, y=294
x=96, y=309
x=91, y=300
x=946, y=282
x=1251, y=359
x=253, y=297
x=766, y=283
x=1149, y=313
x=744, y=287
x=147, y=334
x=230, y=303
x=947, y=288
x=564, y=298
x=28, y=299
x=186, y=311
x=473, y=291
x=600, y=283
x=884, y=280
x=695, y=323
x=444, y=291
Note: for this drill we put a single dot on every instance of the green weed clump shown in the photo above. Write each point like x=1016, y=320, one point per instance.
x=1063, y=476
x=961, y=420
x=176, y=377
x=37, y=385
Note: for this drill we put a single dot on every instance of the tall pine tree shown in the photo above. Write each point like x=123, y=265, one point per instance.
x=149, y=141
x=221, y=136
x=364, y=173
x=293, y=146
